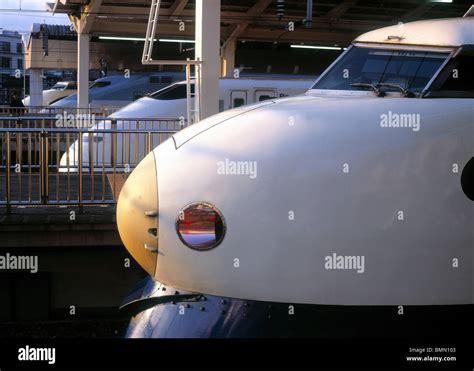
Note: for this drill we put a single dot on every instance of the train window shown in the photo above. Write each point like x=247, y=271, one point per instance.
x=177, y=91
x=410, y=69
x=456, y=80
x=238, y=102
x=238, y=98
x=221, y=105
x=261, y=95
x=264, y=97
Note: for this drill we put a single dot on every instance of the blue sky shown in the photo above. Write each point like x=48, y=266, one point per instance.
x=32, y=11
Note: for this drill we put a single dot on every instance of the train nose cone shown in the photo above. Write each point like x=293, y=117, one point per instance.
x=137, y=214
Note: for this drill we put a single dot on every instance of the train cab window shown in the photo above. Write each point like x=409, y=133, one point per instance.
x=177, y=91
x=99, y=84
x=60, y=86
x=456, y=80
x=221, y=105
x=264, y=97
x=361, y=67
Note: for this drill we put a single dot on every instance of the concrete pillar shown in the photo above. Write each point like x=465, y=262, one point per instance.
x=36, y=87
x=228, y=58
x=82, y=70
x=208, y=29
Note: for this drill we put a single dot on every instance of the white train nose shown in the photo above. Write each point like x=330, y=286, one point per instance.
x=137, y=214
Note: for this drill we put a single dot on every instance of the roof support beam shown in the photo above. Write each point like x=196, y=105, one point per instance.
x=88, y=15
x=177, y=8
x=257, y=9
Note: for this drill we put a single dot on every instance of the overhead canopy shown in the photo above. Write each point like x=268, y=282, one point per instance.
x=333, y=21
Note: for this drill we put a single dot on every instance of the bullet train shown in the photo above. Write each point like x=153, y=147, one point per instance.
x=346, y=211
x=117, y=90
x=58, y=91
x=165, y=109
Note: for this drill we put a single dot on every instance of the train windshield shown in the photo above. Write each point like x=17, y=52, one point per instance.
x=395, y=69
x=176, y=91
x=99, y=84
x=59, y=86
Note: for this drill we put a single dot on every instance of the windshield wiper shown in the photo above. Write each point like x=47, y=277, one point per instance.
x=374, y=88
x=406, y=93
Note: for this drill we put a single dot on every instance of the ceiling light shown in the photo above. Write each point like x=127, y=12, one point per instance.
x=143, y=39
x=316, y=47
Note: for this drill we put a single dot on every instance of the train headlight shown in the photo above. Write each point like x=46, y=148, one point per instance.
x=200, y=226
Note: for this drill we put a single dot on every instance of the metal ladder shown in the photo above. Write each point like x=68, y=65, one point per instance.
x=151, y=31
x=192, y=99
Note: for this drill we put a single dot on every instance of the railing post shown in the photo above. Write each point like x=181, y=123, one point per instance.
x=79, y=170
x=113, y=144
x=7, y=178
x=148, y=143
x=44, y=168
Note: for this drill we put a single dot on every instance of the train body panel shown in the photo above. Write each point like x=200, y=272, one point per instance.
x=150, y=113
x=346, y=198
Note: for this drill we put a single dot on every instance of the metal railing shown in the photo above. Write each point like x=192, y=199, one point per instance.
x=83, y=121
x=51, y=111
x=71, y=166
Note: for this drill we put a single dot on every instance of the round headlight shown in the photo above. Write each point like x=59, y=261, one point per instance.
x=200, y=226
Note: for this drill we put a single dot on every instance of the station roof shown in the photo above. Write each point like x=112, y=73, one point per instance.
x=334, y=21
x=54, y=31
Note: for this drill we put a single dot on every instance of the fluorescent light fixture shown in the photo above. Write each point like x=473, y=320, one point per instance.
x=440, y=1
x=176, y=41
x=316, y=47
x=122, y=38
x=143, y=39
